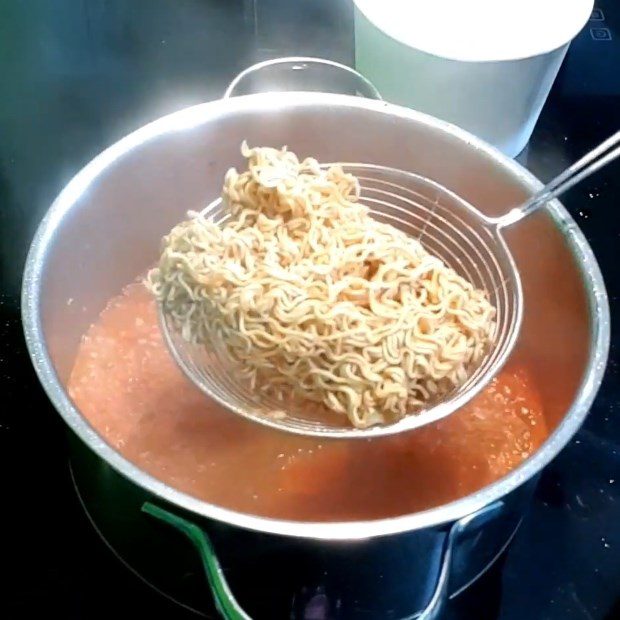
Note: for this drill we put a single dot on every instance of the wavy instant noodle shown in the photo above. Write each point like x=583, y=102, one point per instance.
x=313, y=297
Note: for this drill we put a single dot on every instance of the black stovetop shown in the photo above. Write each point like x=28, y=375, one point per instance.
x=77, y=75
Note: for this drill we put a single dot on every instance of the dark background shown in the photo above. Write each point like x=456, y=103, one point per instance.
x=76, y=75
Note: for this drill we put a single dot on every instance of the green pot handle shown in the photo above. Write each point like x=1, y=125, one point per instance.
x=225, y=601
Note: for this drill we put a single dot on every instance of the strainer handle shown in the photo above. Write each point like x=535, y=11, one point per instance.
x=592, y=161
x=301, y=63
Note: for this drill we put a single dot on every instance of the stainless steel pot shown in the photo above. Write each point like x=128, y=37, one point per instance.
x=104, y=229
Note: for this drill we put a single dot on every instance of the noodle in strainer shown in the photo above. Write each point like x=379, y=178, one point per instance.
x=342, y=300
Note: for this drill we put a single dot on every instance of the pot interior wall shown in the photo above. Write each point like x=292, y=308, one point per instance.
x=111, y=232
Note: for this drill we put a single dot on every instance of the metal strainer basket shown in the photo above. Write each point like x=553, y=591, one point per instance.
x=449, y=228
x=465, y=239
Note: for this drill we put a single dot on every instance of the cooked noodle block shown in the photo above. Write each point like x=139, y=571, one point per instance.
x=310, y=295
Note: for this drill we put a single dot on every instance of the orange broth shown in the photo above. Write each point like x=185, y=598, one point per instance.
x=127, y=386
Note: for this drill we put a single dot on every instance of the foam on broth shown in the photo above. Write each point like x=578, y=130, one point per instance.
x=127, y=386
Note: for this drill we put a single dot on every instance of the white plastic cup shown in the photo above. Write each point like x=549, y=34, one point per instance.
x=469, y=68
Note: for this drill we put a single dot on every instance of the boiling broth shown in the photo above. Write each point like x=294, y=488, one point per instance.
x=127, y=386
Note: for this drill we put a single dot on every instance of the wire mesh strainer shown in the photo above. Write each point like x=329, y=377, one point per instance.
x=450, y=228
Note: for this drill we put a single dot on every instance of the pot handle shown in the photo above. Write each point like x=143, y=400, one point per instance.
x=225, y=601
x=230, y=609
x=438, y=601
x=300, y=64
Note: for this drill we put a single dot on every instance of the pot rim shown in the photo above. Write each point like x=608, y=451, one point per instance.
x=343, y=530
